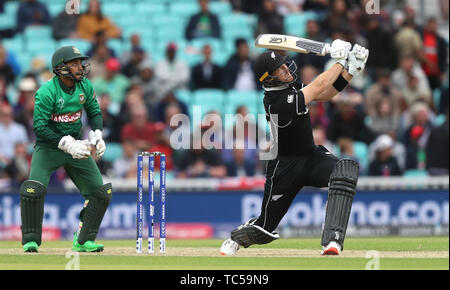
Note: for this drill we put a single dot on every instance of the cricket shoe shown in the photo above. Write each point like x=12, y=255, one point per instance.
x=229, y=247
x=88, y=246
x=332, y=249
x=30, y=247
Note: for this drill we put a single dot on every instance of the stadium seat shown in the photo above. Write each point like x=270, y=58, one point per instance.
x=113, y=152
x=15, y=44
x=7, y=21
x=295, y=23
x=184, y=96
x=413, y=173
x=184, y=9
x=150, y=9
x=220, y=8
x=81, y=44
x=209, y=96
x=37, y=33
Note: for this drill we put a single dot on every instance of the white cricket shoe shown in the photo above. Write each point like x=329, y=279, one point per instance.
x=332, y=249
x=229, y=247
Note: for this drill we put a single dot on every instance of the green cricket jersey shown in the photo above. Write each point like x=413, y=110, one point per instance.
x=58, y=110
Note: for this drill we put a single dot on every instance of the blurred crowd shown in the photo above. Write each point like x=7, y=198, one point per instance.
x=393, y=119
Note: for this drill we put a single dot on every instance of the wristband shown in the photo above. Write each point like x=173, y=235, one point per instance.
x=340, y=83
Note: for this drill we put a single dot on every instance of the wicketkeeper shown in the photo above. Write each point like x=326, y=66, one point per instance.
x=298, y=161
x=57, y=124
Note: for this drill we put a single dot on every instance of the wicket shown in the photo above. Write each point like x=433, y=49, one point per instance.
x=151, y=201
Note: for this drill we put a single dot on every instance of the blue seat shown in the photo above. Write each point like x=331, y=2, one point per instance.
x=413, y=173
x=37, y=33
x=150, y=8
x=15, y=44
x=184, y=96
x=220, y=8
x=7, y=21
x=184, y=9
x=113, y=152
x=208, y=96
x=295, y=23
x=82, y=44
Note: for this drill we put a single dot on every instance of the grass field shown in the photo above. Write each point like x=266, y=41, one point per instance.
x=406, y=253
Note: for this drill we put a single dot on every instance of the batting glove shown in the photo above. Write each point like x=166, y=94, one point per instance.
x=77, y=148
x=95, y=139
x=339, y=51
x=357, y=59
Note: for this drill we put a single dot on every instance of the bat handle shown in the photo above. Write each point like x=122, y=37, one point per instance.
x=326, y=49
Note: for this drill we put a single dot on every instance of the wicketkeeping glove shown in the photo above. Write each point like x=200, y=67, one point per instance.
x=95, y=138
x=77, y=148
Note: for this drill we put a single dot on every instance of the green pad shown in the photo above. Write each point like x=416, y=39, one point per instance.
x=32, y=194
x=92, y=215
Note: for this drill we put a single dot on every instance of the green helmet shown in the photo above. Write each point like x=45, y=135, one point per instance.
x=62, y=56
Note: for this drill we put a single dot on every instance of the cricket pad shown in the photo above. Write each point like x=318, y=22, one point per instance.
x=341, y=191
x=92, y=215
x=32, y=195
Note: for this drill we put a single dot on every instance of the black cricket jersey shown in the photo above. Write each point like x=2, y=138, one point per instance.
x=293, y=131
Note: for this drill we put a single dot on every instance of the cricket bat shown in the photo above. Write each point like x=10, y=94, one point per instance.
x=292, y=43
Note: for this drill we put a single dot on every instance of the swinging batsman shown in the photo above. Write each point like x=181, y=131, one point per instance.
x=57, y=124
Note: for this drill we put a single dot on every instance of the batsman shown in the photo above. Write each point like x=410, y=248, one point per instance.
x=298, y=162
x=59, y=105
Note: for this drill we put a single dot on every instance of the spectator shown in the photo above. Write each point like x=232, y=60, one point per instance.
x=385, y=119
x=32, y=12
x=434, y=54
x=25, y=105
x=111, y=124
x=172, y=73
x=100, y=40
x=320, y=137
x=139, y=130
x=320, y=7
x=345, y=146
x=114, y=83
x=11, y=133
x=416, y=136
x=380, y=44
x=269, y=20
x=437, y=150
x=346, y=121
x=337, y=17
x=313, y=32
x=414, y=93
x=246, y=6
x=318, y=114
x=162, y=144
x=203, y=24
x=135, y=41
x=6, y=71
x=408, y=41
x=94, y=21
x=19, y=167
x=398, y=150
x=125, y=166
x=409, y=67
x=131, y=68
x=98, y=62
x=146, y=80
x=134, y=98
x=240, y=161
x=383, y=88
x=11, y=60
x=168, y=100
x=207, y=74
x=64, y=25
x=385, y=163
x=201, y=163
x=239, y=72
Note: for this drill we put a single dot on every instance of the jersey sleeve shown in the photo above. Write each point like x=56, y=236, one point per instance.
x=43, y=110
x=92, y=108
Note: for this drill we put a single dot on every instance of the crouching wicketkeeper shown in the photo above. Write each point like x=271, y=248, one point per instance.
x=57, y=123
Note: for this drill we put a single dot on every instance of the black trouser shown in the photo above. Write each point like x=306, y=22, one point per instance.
x=286, y=176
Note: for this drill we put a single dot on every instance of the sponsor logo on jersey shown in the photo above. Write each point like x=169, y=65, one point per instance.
x=66, y=118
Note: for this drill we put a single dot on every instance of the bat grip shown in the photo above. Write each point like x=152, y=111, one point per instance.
x=326, y=49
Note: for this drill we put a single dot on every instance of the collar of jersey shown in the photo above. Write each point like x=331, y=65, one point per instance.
x=65, y=88
x=278, y=88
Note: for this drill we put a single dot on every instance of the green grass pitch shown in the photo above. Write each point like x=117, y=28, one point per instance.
x=388, y=253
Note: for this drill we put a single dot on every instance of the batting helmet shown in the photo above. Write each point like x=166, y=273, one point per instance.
x=266, y=64
x=62, y=56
